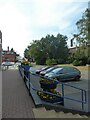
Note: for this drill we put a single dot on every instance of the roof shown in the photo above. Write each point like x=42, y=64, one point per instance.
x=8, y=52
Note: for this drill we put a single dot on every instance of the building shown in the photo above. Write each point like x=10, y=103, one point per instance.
x=8, y=55
x=72, y=49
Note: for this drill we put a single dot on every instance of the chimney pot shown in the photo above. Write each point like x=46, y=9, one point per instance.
x=8, y=48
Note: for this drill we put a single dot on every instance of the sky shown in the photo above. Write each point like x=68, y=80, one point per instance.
x=22, y=21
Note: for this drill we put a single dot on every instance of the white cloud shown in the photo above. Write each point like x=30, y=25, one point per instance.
x=55, y=13
x=13, y=26
x=21, y=21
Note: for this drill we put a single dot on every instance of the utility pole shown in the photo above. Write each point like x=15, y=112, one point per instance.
x=0, y=49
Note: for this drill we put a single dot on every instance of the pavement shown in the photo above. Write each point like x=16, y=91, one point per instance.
x=16, y=102
x=0, y=94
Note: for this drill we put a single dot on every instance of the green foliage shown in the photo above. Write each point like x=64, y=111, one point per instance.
x=88, y=60
x=27, y=53
x=77, y=62
x=83, y=26
x=30, y=65
x=82, y=55
x=50, y=47
x=70, y=58
x=51, y=62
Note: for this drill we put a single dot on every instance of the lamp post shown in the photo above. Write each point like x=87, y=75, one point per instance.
x=0, y=49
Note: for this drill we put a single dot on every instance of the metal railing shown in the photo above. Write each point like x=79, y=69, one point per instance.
x=83, y=92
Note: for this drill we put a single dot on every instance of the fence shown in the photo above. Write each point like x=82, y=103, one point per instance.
x=26, y=76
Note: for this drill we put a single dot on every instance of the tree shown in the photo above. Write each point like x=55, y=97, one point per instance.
x=83, y=26
x=83, y=38
x=50, y=47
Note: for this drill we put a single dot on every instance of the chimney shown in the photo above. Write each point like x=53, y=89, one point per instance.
x=8, y=48
x=71, y=42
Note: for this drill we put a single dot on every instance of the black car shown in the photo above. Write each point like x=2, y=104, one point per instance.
x=42, y=69
x=48, y=70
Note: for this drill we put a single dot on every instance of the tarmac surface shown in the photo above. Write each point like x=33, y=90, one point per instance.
x=16, y=102
x=72, y=92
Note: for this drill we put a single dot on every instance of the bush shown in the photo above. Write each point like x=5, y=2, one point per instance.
x=31, y=65
x=77, y=63
x=51, y=62
x=41, y=61
x=88, y=60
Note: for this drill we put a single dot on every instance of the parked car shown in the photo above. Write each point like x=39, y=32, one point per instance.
x=42, y=69
x=64, y=73
x=7, y=63
x=48, y=70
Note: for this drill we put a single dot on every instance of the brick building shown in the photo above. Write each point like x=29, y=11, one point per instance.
x=8, y=55
x=72, y=50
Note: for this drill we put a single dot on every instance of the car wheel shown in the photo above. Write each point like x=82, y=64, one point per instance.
x=77, y=78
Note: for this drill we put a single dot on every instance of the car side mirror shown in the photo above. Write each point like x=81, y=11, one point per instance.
x=59, y=73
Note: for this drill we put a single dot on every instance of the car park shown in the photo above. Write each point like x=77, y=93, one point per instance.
x=48, y=70
x=64, y=73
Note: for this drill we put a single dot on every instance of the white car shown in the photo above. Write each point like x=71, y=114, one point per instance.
x=7, y=63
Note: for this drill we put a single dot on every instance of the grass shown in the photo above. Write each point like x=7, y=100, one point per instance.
x=79, y=67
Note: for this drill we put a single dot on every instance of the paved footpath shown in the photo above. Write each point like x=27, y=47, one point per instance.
x=16, y=102
x=0, y=94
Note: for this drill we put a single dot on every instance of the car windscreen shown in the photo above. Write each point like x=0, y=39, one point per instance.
x=45, y=68
x=56, y=70
x=49, y=69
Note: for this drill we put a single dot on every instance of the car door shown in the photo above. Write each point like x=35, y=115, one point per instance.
x=66, y=73
x=62, y=74
x=70, y=73
x=73, y=72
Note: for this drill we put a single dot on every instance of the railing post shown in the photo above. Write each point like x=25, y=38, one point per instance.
x=24, y=76
x=62, y=89
x=29, y=83
x=82, y=100
x=85, y=95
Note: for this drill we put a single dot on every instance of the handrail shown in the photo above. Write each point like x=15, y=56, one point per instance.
x=83, y=92
x=64, y=84
x=59, y=82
